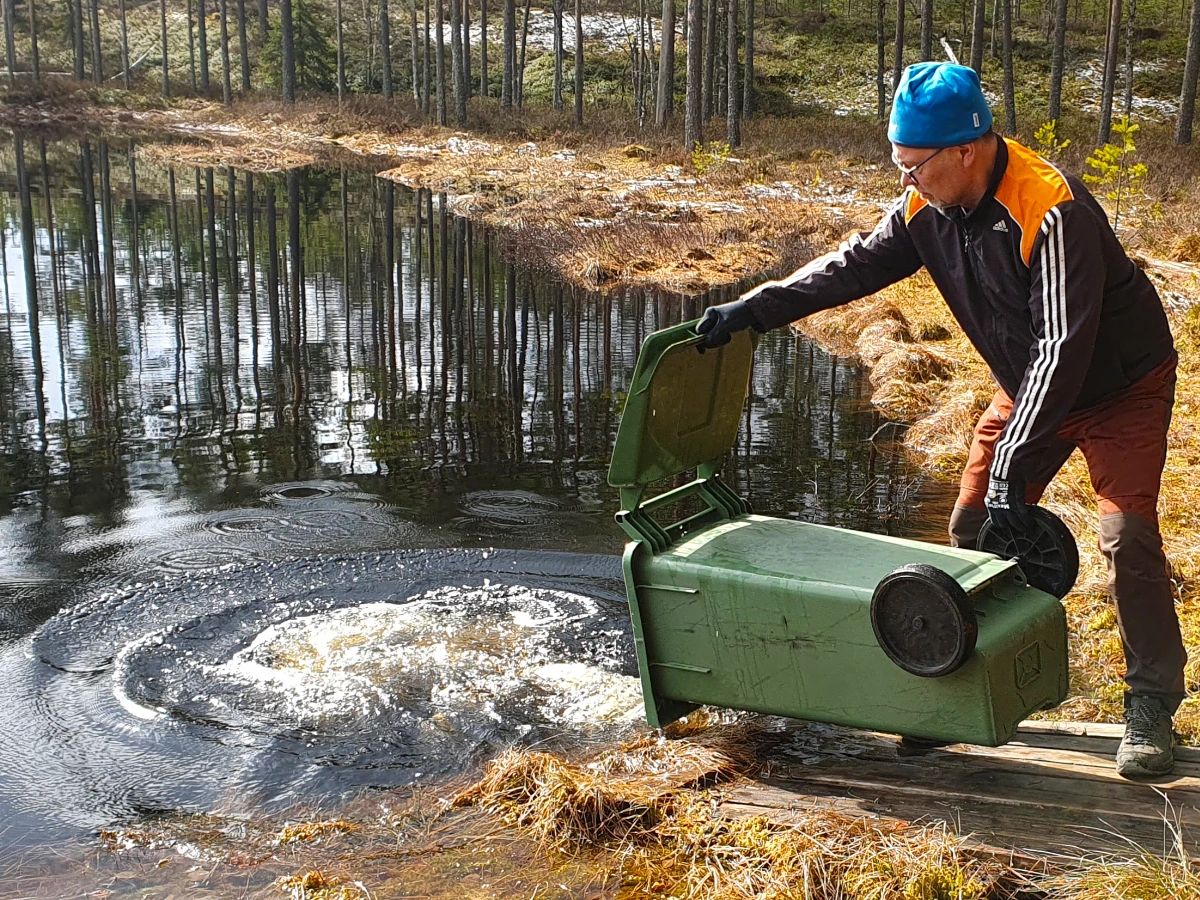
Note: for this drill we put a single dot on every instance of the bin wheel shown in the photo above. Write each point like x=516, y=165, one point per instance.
x=1048, y=555
x=923, y=620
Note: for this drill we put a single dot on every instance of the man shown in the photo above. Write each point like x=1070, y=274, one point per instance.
x=1075, y=336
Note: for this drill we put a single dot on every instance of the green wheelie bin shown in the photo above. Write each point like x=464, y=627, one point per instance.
x=789, y=618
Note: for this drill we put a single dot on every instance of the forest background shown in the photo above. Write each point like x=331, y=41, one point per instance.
x=731, y=59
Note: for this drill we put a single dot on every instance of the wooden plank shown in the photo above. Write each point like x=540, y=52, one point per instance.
x=1029, y=830
x=1081, y=735
x=1053, y=790
x=1080, y=729
x=1067, y=753
x=1185, y=779
x=998, y=787
x=1001, y=829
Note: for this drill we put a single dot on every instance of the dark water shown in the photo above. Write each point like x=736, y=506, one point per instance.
x=303, y=488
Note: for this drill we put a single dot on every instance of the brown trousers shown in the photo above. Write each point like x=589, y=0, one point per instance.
x=1124, y=442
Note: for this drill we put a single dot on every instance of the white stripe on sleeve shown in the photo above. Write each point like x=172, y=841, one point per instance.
x=1054, y=328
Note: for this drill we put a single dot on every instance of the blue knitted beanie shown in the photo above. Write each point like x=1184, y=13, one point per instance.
x=938, y=104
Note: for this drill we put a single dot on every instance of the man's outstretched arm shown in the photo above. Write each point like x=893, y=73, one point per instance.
x=861, y=266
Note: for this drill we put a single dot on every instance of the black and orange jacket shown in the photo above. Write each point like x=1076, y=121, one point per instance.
x=1034, y=275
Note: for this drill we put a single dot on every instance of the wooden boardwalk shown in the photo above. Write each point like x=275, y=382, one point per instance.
x=1053, y=790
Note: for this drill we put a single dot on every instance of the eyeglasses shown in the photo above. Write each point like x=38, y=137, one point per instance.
x=911, y=171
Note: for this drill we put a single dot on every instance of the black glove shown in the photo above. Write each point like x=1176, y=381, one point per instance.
x=1006, y=506
x=720, y=322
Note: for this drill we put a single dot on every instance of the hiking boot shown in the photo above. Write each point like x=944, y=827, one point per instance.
x=1148, y=747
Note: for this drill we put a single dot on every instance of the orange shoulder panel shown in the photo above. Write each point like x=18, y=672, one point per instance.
x=915, y=203
x=1029, y=189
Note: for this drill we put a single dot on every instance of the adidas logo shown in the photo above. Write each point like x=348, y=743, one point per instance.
x=1001, y=226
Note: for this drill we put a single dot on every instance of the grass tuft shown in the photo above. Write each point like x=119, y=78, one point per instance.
x=637, y=805
x=1138, y=875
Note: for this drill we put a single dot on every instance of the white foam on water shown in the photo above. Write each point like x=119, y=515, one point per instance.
x=486, y=651
x=582, y=695
x=120, y=673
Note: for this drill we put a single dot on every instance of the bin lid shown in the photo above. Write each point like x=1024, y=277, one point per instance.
x=683, y=407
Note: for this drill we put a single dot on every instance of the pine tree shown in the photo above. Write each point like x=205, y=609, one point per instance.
x=226, y=85
x=733, y=128
x=978, y=30
x=97, y=60
x=1191, y=74
x=880, y=57
x=519, y=89
x=341, y=54
x=1111, y=48
x=1010, y=102
x=415, y=50
x=440, y=62
x=1130, y=52
x=76, y=13
x=748, y=63
x=456, y=62
x=926, y=30
x=124, y=43
x=483, y=50
x=466, y=41
x=664, y=108
x=557, y=6
x=202, y=38
x=385, y=47
x=10, y=43
x=693, y=126
x=1057, y=59
x=579, y=62
x=243, y=47
x=33, y=41
x=710, y=60
x=162, y=21
x=287, y=49
x=304, y=27
x=191, y=46
x=510, y=53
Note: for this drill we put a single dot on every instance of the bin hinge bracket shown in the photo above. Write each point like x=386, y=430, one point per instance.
x=719, y=502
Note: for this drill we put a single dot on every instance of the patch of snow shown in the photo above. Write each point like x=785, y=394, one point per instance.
x=470, y=147
x=1090, y=80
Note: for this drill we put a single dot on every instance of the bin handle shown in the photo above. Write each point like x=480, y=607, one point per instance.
x=720, y=502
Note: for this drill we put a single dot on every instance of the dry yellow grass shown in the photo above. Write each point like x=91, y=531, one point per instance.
x=1137, y=875
x=670, y=841
x=638, y=808
x=244, y=156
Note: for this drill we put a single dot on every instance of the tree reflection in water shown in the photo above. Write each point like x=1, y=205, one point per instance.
x=162, y=336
